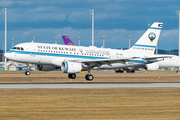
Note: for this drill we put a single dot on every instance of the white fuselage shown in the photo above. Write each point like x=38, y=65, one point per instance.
x=54, y=54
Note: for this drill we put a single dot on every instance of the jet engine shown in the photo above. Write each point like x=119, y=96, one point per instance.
x=152, y=66
x=46, y=67
x=71, y=67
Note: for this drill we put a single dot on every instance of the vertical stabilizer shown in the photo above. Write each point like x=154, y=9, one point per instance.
x=148, y=41
x=67, y=41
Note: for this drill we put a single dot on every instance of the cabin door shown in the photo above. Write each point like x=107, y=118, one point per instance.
x=33, y=50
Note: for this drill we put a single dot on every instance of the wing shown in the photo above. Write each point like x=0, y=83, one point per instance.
x=156, y=57
x=99, y=62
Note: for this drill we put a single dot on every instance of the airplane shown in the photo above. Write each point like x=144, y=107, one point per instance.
x=74, y=59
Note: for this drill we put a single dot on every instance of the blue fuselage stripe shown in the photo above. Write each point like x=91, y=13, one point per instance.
x=70, y=56
x=155, y=28
x=145, y=46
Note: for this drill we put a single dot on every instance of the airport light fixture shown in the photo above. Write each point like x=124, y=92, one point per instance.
x=103, y=37
x=78, y=40
x=12, y=42
x=33, y=40
x=55, y=40
x=178, y=13
x=3, y=53
x=129, y=40
x=169, y=48
x=92, y=13
x=5, y=61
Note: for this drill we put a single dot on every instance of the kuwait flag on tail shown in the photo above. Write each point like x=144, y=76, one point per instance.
x=160, y=25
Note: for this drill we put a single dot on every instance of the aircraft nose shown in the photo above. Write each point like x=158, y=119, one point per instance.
x=8, y=55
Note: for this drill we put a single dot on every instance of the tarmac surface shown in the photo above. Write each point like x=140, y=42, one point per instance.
x=65, y=75
x=90, y=85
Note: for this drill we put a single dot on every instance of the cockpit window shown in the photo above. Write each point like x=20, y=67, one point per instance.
x=18, y=48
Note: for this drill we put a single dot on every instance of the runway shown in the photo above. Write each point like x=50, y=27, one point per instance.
x=89, y=85
x=65, y=75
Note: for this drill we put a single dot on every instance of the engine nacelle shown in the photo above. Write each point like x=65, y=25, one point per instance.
x=152, y=66
x=71, y=67
x=46, y=67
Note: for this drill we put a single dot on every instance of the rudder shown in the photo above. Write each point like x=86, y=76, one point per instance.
x=148, y=41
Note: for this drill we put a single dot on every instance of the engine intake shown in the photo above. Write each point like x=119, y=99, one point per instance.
x=71, y=67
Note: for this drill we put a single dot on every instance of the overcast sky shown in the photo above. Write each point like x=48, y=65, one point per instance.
x=115, y=19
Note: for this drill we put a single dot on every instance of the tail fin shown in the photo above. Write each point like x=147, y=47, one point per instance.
x=148, y=42
x=67, y=41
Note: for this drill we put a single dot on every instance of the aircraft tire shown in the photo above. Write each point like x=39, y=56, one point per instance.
x=128, y=71
x=27, y=73
x=72, y=76
x=89, y=77
x=119, y=71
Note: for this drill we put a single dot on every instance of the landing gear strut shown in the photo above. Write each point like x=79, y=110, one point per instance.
x=130, y=71
x=27, y=72
x=72, y=75
x=89, y=77
x=119, y=71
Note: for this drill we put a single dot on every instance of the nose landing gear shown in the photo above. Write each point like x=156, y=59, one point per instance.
x=27, y=72
x=72, y=75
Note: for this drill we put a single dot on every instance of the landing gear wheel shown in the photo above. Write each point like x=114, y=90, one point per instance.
x=119, y=71
x=132, y=71
x=128, y=71
x=27, y=73
x=72, y=76
x=89, y=77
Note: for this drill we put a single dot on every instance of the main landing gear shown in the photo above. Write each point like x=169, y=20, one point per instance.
x=130, y=71
x=88, y=77
x=127, y=70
